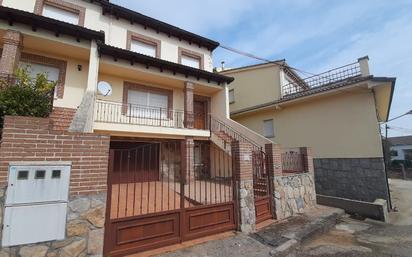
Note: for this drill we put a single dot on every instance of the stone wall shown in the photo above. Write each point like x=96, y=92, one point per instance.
x=293, y=194
x=84, y=231
x=362, y=179
x=247, y=207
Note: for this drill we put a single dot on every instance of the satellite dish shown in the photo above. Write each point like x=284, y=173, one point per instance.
x=104, y=88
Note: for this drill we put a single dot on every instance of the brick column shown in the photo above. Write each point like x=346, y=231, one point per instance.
x=242, y=171
x=188, y=105
x=13, y=43
x=307, y=159
x=274, y=168
x=274, y=156
x=188, y=160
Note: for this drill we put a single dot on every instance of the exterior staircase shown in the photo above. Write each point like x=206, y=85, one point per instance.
x=223, y=135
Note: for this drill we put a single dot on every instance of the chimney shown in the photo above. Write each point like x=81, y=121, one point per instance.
x=364, y=66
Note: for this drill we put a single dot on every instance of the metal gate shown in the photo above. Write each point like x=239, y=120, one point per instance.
x=261, y=186
x=152, y=202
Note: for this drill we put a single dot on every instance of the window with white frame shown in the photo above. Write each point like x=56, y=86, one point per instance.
x=145, y=48
x=231, y=96
x=190, y=61
x=60, y=14
x=146, y=104
x=52, y=73
x=268, y=129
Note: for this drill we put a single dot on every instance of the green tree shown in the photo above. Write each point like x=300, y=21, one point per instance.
x=24, y=95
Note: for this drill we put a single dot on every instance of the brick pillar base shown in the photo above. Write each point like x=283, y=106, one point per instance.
x=243, y=173
x=188, y=160
x=13, y=42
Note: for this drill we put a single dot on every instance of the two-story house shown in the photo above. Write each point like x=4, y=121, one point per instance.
x=139, y=148
x=337, y=113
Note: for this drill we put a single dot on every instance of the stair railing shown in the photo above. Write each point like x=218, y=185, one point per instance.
x=220, y=126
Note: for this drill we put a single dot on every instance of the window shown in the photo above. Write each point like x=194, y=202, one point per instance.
x=191, y=61
x=268, y=130
x=40, y=174
x=147, y=104
x=51, y=72
x=231, y=96
x=190, y=58
x=61, y=14
x=394, y=153
x=143, y=48
x=23, y=175
x=143, y=45
x=35, y=68
x=61, y=10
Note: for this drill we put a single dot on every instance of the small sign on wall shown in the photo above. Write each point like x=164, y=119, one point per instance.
x=246, y=157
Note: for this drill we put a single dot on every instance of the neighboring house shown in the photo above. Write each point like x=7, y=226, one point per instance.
x=336, y=113
x=401, y=148
x=139, y=148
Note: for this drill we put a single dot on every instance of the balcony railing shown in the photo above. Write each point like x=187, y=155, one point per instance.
x=113, y=112
x=293, y=161
x=322, y=79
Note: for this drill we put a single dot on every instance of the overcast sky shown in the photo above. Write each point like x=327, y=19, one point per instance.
x=313, y=35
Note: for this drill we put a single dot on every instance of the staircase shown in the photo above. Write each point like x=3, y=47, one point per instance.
x=223, y=135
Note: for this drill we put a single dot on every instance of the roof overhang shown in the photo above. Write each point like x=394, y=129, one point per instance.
x=383, y=89
x=159, y=26
x=35, y=21
x=148, y=61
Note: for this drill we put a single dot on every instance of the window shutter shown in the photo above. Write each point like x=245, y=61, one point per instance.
x=143, y=48
x=268, y=130
x=60, y=14
x=190, y=61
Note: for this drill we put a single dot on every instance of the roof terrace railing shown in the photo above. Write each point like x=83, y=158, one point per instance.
x=322, y=79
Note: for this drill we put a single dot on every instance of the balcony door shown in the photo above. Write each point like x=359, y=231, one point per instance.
x=144, y=104
x=200, y=113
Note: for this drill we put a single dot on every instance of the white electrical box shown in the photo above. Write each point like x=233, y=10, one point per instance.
x=36, y=204
x=30, y=224
x=36, y=184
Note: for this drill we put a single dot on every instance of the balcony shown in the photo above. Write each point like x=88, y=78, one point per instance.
x=331, y=77
x=114, y=116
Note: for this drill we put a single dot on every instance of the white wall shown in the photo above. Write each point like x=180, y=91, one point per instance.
x=401, y=152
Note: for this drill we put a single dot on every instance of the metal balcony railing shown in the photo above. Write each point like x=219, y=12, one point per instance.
x=113, y=112
x=322, y=79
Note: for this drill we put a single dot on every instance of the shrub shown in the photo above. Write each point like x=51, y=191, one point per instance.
x=23, y=95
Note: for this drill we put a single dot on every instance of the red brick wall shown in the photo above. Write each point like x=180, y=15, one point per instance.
x=62, y=117
x=242, y=161
x=32, y=139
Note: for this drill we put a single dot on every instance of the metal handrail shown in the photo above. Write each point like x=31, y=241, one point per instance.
x=322, y=79
x=220, y=126
x=136, y=114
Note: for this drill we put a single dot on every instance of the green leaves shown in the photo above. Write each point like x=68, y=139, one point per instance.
x=23, y=95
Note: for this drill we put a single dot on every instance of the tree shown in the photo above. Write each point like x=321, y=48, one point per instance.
x=24, y=95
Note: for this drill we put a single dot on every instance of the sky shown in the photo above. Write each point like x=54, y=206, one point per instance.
x=312, y=35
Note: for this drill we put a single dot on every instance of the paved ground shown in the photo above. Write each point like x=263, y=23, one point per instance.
x=369, y=238
x=264, y=242
x=350, y=237
x=401, y=193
